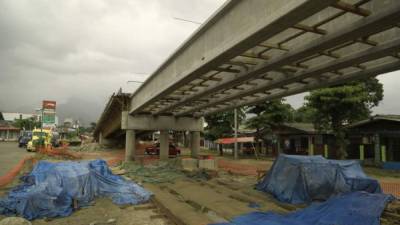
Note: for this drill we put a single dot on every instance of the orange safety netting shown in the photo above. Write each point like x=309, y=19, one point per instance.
x=10, y=175
x=62, y=151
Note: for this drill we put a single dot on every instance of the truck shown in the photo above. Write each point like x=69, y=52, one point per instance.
x=40, y=137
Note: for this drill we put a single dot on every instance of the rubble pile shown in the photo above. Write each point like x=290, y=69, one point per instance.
x=157, y=172
x=391, y=214
x=89, y=147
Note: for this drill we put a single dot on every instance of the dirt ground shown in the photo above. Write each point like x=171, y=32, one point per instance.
x=191, y=198
x=103, y=210
x=11, y=154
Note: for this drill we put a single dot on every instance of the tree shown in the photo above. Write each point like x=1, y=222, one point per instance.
x=27, y=124
x=267, y=115
x=340, y=105
x=93, y=125
x=221, y=124
x=304, y=114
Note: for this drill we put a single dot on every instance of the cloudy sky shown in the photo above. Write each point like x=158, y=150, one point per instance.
x=82, y=51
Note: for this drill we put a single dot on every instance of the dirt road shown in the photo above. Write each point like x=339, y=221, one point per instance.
x=10, y=155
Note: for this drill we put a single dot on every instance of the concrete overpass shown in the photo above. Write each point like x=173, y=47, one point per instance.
x=251, y=51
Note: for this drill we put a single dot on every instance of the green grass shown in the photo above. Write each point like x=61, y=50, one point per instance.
x=377, y=172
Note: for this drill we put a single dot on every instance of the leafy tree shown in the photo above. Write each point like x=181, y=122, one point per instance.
x=27, y=124
x=340, y=105
x=267, y=115
x=304, y=114
x=93, y=125
x=221, y=124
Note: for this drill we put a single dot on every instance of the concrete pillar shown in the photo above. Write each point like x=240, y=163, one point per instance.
x=235, y=149
x=130, y=145
x=164, y=145
x=101, y=138
x=195, y=144
x=8, y=135
x=377, y=150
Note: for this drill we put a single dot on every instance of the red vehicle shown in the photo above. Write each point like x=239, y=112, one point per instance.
x=155, y=150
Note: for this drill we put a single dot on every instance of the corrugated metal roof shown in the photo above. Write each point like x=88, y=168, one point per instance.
x=11, y=116
x=394, y=118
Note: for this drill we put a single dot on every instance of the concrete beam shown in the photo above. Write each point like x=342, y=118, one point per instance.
x=386, y=68
x=362, y=28
x=235, y=28
x=149, y=122
x=370, y=54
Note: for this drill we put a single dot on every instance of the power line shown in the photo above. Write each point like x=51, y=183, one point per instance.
x=185, y=20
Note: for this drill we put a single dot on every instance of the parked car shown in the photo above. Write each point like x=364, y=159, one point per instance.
x=155, y=150
x=24, y=138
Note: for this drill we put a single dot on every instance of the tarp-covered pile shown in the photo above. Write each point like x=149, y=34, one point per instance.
x=356, y=208
x=51, y=188
x=302, y=179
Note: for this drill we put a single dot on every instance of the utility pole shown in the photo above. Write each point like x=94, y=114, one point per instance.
x=236, y=133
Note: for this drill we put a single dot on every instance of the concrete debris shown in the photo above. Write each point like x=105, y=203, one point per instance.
x=159, y=172
x=118, y=171
x=108, y=222
x=14, y=221
x=391, y=214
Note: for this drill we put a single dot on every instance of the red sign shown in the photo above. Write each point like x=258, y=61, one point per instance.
x=49, y=104
x=232, y=140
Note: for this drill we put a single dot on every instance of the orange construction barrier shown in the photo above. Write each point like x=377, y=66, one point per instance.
x=10, y=175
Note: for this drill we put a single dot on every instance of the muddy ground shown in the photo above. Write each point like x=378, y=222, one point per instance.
x=191, y=198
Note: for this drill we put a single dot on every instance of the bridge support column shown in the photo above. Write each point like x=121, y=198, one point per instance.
x=130, y=145
x=104, y=141
x=195, y=143
x=164, y=145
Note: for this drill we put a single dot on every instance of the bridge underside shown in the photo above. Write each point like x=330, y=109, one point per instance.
x=252, y=51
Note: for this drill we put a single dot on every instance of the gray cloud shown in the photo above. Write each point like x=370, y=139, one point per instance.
x=66, y=50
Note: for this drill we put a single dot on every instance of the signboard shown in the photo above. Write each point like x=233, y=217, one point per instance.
x=49, y=105
x=49, y=113
x=49, y=118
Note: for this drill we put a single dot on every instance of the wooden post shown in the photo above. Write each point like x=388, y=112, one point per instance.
x=383, y=152
x=377, y=149
x=326, y=151
x=362, y=156
x=310, y=146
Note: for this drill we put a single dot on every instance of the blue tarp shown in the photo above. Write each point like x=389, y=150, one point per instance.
x=303, y=179
x=356, y=208
x=50, y=189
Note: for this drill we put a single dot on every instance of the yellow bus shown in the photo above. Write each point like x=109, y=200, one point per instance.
x=37, y=136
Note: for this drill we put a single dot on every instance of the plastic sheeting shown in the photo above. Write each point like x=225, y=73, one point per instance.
x=50, y=189
x=302, y=179
x=348, y=209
